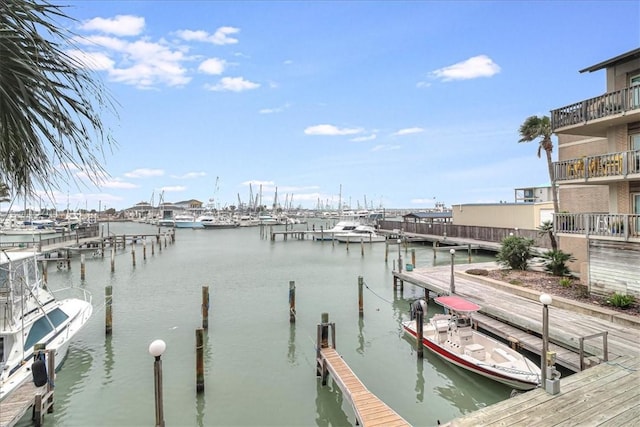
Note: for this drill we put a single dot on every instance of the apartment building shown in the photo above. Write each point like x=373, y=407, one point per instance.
x=598, y=178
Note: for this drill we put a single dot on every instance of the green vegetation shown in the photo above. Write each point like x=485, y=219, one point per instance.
x=620, y=300
x=546, y=229
x=515, y=252
x=565, y=282
x=555, y=262
x=52, y=107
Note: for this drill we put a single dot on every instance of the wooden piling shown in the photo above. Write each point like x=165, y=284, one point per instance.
x=360, y=297
x=113, y=259
x=82, y=266
x=419, y=333
x=153, y=250
x=102, y=248
x=108, y=299
x=361, y=246
x=386, y=252
x=292, y=301
x=133, y=255
x=205, y=307
x=413, y=257
x=45, y=273
x=160, y=246
x=469, y=252
x=144, y=249
x=199, y=360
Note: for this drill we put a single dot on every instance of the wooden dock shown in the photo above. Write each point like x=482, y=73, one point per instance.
x=370, y=411
x=607, y=395
x=519, y=318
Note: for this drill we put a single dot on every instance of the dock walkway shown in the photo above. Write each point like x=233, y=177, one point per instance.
x=370, y=410
x=507, y=314
x=607, y=395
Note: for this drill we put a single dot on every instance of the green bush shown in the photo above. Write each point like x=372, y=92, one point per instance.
x=620, y=300
x=565, y=282
x=555, y=262
x=515, y=252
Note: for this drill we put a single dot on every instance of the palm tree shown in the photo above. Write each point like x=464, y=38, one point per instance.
x=51, y=105
x=540, y=127
x=546, y=229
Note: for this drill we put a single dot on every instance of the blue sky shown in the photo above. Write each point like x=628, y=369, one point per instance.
x=401, y=103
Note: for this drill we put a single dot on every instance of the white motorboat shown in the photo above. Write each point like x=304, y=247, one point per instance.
x=452, y=337
x=186, y=221
x=30, y=314
x=362, y=233
x=329, y=234
x=216, y=221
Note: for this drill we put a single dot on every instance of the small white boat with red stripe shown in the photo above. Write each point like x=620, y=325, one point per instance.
x=453, y=337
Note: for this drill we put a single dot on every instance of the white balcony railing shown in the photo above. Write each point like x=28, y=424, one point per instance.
x=616, y=226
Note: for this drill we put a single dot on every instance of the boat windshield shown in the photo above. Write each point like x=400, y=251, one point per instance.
x=42, y=327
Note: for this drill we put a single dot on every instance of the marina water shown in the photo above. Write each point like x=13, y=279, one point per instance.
x=259, y=369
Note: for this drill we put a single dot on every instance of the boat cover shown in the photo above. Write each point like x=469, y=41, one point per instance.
x=457, y=303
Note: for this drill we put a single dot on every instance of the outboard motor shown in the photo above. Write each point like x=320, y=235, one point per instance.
x=418, y=305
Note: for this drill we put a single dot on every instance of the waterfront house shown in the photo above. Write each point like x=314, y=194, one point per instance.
x=598, y=177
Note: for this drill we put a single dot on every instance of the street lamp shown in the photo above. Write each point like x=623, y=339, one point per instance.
x=452, y=289
x=546, y=300
x=156, y=348
x=399, y=256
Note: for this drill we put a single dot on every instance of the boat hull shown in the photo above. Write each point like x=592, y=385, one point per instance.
x=513, y=381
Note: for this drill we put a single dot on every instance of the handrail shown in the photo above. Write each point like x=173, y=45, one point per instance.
x=605, y=348
x=616, y=164
x=620, y=226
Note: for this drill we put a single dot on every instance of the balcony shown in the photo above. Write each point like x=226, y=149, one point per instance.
x=600, y=169
x=595, y=116
x=623, y=227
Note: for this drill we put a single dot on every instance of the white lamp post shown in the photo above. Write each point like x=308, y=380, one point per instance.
x=453, y=284
x=156, y=348
x=399, y=256
x=546, y=300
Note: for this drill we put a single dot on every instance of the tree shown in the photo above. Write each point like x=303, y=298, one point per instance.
x=535, y=127
x=546, y=228
x=51, y=104
x=515, y=252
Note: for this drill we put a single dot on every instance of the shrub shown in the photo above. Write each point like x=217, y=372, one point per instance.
x=555, y=262
x=565, y=282
x=478, y=272
x=515, y=252
x=620, y=300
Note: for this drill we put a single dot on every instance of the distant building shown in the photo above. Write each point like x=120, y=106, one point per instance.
x=533, y=194
x=523, y=216
x=598, y=177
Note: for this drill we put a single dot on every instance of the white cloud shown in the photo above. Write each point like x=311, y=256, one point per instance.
x=118, y=184
x=190, y=175
x=383, y=147
x=423, y=84
x=232, y=84
x=220, y=37
x=331, y=130
x=425, y=201
x=121, y=25
x=173, y=188
x=258, y=183
x=408, y=131
x=144, y=173
x=93, y=60
x=477, y=66
x=364, y=138
x=214, y=66
x=275, y=110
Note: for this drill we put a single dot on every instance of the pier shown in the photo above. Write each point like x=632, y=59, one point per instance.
x=580, y=339
x=370, y=411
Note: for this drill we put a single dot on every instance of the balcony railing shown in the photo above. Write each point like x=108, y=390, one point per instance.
x=609, y=104
x=610, y=165
x=615, y=226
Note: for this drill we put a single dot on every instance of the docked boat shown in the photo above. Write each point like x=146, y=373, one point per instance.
x=452, y=337
x=27, y=230
x=186, y=221
x=216, y=221
x=30, y=314
x=362, y=233
x=340, y=227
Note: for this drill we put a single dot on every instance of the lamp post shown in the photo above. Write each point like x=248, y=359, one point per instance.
x=546, y=300
x=453, y=284
x=156, y=348
x=399, y=256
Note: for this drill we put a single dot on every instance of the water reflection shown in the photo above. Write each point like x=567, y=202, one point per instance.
x=291, y=354
x=329, y=405
x=200, y=405
x=420, y=380
x=109, y=361
x=360, y=348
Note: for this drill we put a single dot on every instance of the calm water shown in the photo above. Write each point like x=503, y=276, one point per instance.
x=259, y=370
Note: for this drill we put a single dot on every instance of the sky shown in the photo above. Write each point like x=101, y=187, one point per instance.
x=394, y=104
